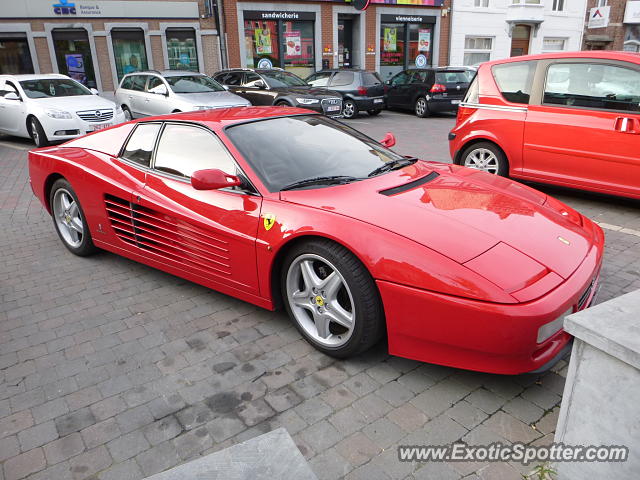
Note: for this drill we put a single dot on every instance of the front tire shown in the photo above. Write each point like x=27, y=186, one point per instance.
x=487, y=157
x=422, y=108
x=349, y=109
x=127, y=113
x=332, y=298
x=37, y=133
x=69, y=219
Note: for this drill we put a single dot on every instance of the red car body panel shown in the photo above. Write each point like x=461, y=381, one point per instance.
x=573, y=147
x=438, y=252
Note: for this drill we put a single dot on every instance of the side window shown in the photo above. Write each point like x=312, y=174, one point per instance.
x=593, y=85
x=154, y=82
x=138, y=82
x=250, y=79
x=320, y=79
x=183, y=149
x=140, y=145
x=419, y=77
x=401, y=79
x=127, y=83
x=342, y=79
x=473, y=92
x=514, y=80
x=370, y=78
x=230, y=78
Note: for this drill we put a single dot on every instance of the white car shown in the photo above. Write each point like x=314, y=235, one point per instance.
x=147, y=93
x=49, y=108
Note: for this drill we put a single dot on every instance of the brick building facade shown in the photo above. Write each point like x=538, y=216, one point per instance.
x=98, y=41
x=622, y=30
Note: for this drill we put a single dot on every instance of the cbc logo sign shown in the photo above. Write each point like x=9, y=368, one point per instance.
x=64, y=8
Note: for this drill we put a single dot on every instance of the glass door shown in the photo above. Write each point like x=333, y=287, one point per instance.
x=73, y=54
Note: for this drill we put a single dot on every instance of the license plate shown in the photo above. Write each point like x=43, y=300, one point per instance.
x=102, y=126
x=333, y=108
x=455, y=102
x=378, y=100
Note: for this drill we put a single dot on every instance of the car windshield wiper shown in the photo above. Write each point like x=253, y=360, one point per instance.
x=393, y=165
x=328, y=180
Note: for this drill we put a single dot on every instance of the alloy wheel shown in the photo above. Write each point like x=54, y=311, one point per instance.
x=482, y=159
x=68, y=218
x=421, y=107
x=320, y=300
x=34, y=132
x=349, y=109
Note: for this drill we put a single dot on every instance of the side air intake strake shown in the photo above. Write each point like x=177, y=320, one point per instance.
x=409, y=186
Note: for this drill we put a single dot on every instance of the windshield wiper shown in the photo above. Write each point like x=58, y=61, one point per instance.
x=328, y=180
x=393, y=165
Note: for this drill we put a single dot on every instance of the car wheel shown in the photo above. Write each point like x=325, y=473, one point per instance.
x=332, y=298
x=69, y=219
x=487, y=157
x=282, y=104
x=127, y=113
x=422, y=108
x=373, y=113
x=37, y=133
x=349, y=109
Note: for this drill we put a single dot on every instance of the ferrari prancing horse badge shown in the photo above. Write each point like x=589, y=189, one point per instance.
x=268, y=220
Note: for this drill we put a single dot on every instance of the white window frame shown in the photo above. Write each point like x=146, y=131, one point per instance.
x=564, y=44
x=481, y=3
x=478, y=50
x=558, y=5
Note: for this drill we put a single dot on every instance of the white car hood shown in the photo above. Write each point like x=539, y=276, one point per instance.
x=213, y=99
x=74, y=104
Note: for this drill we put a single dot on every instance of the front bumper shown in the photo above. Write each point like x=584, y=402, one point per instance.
x=60, y=129
x=482, y=336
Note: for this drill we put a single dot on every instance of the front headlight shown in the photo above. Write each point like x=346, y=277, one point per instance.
x=549, y=329
x=118, y=109
x=307, y=101
x=60, y=114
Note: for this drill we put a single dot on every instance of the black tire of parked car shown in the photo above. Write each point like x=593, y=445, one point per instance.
x=37, y=133
x=422, y=107
x=349, y=109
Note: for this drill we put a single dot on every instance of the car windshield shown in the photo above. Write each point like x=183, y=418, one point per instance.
x=53, y=87
x=277, y=79
x=286, y=150
x=193, y=84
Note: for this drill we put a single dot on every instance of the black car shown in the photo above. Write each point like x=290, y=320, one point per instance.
x=428, y=90
x=362, y=91
x=278, y=87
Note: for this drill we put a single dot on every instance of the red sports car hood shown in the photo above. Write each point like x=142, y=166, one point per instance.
x=460, y=213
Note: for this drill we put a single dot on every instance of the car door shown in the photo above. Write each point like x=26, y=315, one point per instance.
x=13, y=113
x=155, y=103
x=136, y=95
x=210, y=234
x=584, y=128
x=255, y=89
x=398, y=92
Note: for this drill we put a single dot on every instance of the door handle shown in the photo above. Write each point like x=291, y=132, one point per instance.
x=626, y=125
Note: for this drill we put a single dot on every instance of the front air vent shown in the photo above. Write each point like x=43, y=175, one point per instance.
x=409, y=186
x=166, y=236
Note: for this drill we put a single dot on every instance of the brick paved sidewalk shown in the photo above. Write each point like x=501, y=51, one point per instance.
x=113, y=370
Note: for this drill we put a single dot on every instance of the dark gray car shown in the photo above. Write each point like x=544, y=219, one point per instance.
x=362, y=91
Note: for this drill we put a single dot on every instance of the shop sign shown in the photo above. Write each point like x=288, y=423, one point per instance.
x=421, y=61
x=263, y=41
x=265, y=63
x=96, y=8
x=293, y=43
x=599, y=17
x=424, y=39
x=275, y=15
x=408, y=18
x=632, y=12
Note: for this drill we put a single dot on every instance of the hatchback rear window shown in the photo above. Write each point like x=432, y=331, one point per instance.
x=452, y=77
x=369, y=78
x=514, y=80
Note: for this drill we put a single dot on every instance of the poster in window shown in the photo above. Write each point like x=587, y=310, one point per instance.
x=424, y=39
x=263, y=41
x=294, y=43
x=390, y=43
x=75, y=67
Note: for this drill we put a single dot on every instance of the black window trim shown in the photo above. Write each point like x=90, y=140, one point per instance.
x=597, y=61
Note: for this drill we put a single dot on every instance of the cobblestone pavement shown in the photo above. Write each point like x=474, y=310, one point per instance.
x=113, y=370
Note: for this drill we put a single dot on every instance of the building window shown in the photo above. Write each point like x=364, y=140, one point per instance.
x=401, y=44
x=603, y=3
x=481, y=3
x=527, y=2
x=477, y=50
x=73, y=54
x=129, y=51
x=558, y=5
x=550, y=44
x=15, y=57
x=181, y=49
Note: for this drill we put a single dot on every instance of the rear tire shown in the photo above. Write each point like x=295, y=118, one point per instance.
x=348, y=290
x=69, y=219
x=422, y=108
x=37, y=133
x=349, y=109
x=282, y=103
x=373, y=113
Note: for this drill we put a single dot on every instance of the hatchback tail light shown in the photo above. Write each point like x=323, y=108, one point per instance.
x=438, y=88
x=362, y=90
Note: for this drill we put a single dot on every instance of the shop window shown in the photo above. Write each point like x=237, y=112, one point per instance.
x=297, y=45
x=129, y=51
x=261, y=41
x=15, y=57
x=419, y=43
x=181, y=49
x=477, y=50
x=402, y=44
x=391, y=49
x=73, y=54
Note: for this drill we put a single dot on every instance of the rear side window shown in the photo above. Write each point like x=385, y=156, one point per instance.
x=140, y=145
x=473, y=92
x=369, y=78
x=514, y=80
x=127, y=83
x=593, y=85
x=341, y=79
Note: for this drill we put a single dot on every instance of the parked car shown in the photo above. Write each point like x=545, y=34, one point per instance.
x=570, y=119
x=278, y=87
x=428, y=90
x=288, y=207
x=50, y=108
x=156, y=93
x=361, y=91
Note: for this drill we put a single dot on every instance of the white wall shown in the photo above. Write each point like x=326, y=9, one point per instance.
x=491, y=21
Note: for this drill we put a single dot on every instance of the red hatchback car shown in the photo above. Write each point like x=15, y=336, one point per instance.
x=569, y=119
